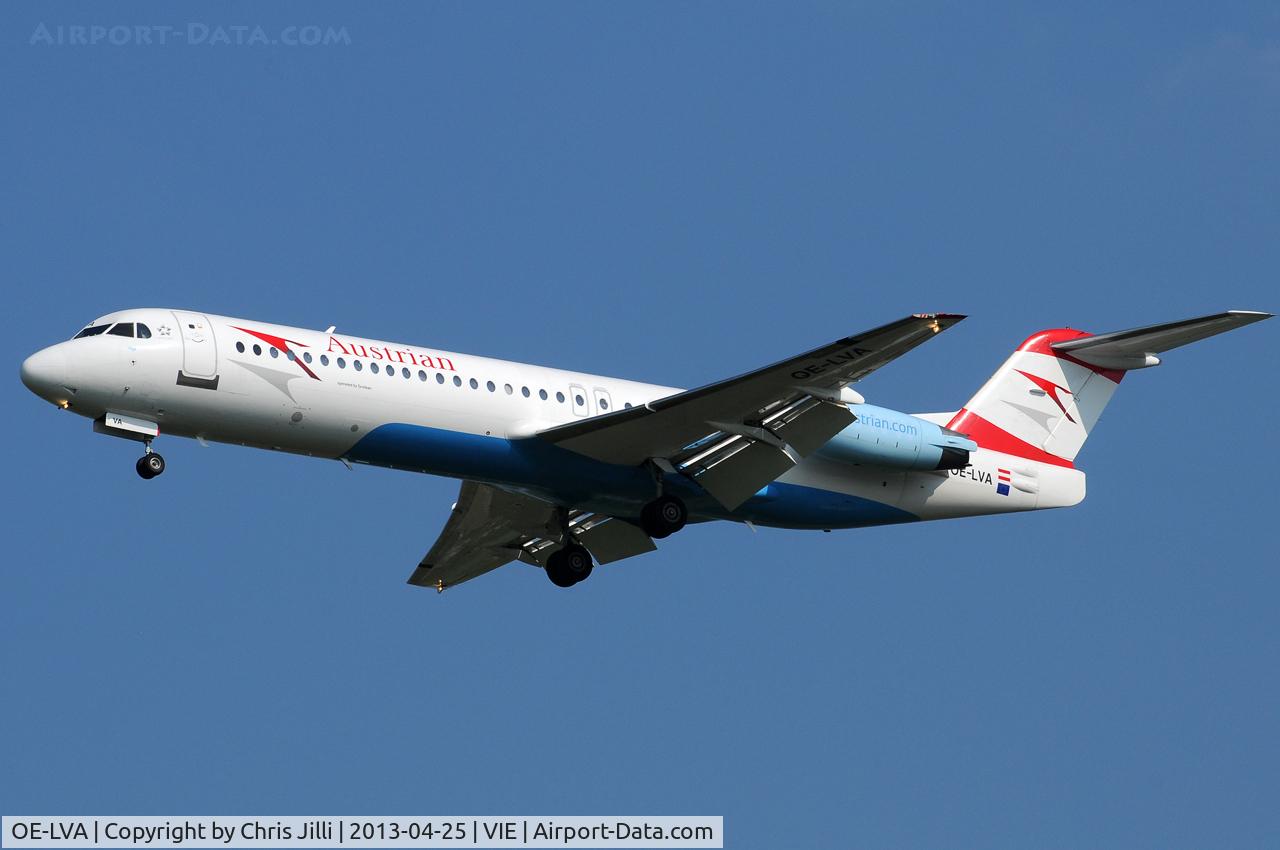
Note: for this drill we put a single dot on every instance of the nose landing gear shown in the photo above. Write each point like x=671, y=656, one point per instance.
x=150, y=464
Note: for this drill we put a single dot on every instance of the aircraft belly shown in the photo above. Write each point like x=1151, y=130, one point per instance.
x=529, y=465
x=878, y=485
x=785, y=505
x=800, y=500
x=818, y=493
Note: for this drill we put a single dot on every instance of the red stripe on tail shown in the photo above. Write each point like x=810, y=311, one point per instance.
x=1041, y=342
x=991, y=436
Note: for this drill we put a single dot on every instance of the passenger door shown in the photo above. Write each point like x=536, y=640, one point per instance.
x=199, y=351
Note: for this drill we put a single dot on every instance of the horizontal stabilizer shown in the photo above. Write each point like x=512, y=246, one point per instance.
x=1137, y=348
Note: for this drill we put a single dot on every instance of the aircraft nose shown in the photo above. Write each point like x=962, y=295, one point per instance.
x=45, y=373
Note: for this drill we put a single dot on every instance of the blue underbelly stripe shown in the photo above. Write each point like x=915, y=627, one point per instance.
x=797, y=506
x=572, y=479
x=526, y=463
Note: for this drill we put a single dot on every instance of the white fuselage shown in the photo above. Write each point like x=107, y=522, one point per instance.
x=332, y=395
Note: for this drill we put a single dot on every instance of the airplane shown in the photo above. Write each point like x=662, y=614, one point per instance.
x=565, y=470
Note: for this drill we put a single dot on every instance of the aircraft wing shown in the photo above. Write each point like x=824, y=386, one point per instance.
x=490, y=527
x=735, y=436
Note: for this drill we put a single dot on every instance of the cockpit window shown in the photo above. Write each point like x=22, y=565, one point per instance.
x=92, y=330
x=122, y=329
x=144, y=332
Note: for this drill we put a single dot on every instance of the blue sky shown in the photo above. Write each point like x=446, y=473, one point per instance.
x=673, y=194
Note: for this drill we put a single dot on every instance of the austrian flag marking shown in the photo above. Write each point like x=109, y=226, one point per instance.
x=1002, y=481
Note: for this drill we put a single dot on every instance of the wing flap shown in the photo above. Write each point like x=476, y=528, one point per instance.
x=811, y=425
x=735, y=436
x=610, y=539
x=487, y=528
x=734, y=470
x=736, y=467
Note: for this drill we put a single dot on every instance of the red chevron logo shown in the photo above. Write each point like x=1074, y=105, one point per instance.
x=1051, y=389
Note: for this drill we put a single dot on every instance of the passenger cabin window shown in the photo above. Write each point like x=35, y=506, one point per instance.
x=122, y=329
x=578, y=395
x=92, y=330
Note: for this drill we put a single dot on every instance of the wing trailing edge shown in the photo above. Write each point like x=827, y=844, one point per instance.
x=737, y=435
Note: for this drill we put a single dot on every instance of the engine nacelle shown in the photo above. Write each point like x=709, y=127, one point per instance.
x=886, y=438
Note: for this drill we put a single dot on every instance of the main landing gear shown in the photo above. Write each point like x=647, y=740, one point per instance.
x=569, y=565
x=150, y=464
x=663, y=517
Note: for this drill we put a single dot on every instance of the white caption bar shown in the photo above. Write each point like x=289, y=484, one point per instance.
x=408, y=831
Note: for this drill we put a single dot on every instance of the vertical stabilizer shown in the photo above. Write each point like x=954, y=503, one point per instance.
x=1047, y=397
x=1041, y=404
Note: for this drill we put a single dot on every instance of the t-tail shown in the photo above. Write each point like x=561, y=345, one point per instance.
x=1046, y=398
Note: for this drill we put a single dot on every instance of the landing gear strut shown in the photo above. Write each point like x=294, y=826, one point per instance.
x=663, y=517
x=569, y=565
x=150, y=464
